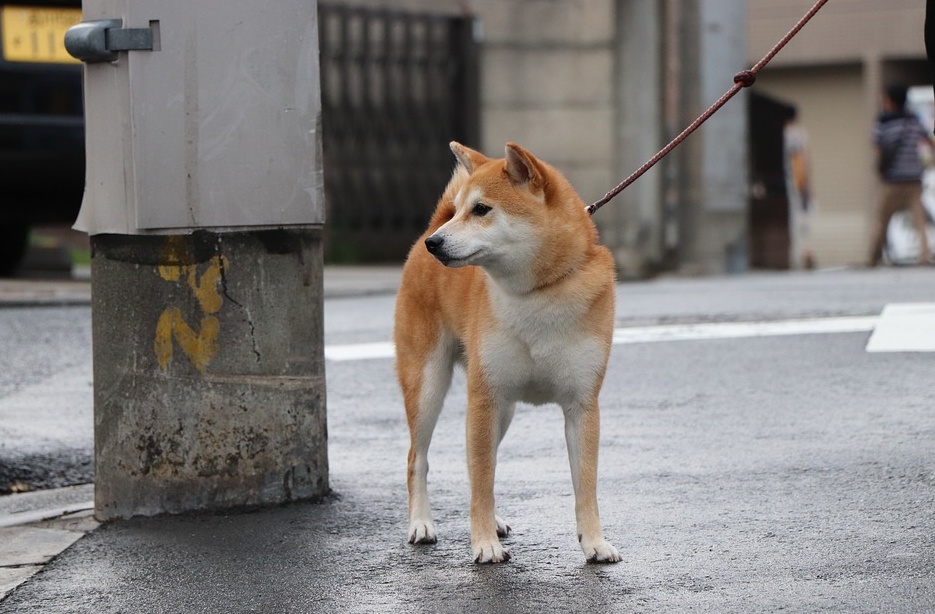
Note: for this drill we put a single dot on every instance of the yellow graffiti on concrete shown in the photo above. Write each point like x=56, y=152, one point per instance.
x=201, y=346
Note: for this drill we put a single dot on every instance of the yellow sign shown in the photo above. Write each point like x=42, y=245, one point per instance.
x=37, y=34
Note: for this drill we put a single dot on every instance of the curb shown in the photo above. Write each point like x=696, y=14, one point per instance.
x=339, y=282
x=44, y=292
x=35, y=527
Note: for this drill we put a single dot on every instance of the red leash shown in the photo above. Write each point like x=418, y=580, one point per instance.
x=745, y=78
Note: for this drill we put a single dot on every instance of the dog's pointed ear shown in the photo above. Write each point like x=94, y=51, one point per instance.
x=522, y=166
x=467, y=157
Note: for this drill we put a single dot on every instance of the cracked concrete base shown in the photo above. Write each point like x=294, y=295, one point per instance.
x=208, y=371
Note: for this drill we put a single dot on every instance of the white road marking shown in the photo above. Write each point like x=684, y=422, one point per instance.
x=740, y=330
x=360, y=351
x=904, y=327
x=674, y=332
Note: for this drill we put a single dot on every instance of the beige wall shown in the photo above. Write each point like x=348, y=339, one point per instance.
x=832, y=112
x=842, y=31
x=547, y=83
x=833, y=71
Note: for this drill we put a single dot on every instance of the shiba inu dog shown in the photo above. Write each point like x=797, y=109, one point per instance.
x=509, y=281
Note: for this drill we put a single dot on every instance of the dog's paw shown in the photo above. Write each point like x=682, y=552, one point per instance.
x=600, y=551
x=503, y=529
x=490, y=552
x=422, y=532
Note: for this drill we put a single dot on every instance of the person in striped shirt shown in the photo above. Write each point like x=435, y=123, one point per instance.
x=898, y=137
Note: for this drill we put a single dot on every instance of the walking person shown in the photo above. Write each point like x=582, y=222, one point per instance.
x=929, y=32
x=797, y=165
x=898, y=136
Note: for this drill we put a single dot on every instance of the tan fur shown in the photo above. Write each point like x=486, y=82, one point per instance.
x=526, y=303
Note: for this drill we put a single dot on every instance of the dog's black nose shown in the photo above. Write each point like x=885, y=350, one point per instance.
x=433, y=243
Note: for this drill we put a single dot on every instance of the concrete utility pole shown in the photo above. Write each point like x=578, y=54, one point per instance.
x=674, y=59
x=637, y=212
x=712, y=184
x=205, y=208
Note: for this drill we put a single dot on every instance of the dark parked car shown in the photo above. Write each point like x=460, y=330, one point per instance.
x=41, y=122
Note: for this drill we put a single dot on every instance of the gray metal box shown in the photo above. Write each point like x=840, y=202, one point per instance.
x=214, y=128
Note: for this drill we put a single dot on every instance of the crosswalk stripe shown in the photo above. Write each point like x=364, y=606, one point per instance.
x=661, y=333
x=904, y=327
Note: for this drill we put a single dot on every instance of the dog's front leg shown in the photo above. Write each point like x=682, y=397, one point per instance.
x=482, y=438
x=582, y=434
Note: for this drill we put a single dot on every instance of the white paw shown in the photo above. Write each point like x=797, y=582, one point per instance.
x=503, y=529
x=600, y=551
x=422, y=532
x=490, y=552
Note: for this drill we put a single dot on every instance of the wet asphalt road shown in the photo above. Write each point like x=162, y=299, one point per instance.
x=46, y=432
x=737, y=475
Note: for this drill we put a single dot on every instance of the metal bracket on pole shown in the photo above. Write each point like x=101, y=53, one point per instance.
x=100, y=40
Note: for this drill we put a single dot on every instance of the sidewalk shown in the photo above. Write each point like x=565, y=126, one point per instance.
x=37, y=526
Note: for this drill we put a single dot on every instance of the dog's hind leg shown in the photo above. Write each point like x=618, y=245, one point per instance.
x=425, y=382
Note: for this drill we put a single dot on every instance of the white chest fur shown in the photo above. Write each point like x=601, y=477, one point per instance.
x=537, y=352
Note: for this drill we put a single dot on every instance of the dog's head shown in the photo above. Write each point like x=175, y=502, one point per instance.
x=509, y=214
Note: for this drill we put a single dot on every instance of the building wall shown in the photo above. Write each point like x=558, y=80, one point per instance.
x=831, y=110
x=547, y=83
x=843, y=31
x=580, y=84
x=834, y=72
x=547, y=79
x=547, y=71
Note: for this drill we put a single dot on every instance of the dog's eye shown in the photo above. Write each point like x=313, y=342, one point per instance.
x=480, y=210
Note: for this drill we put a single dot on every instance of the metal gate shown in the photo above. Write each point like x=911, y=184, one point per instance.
x=396, y=88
